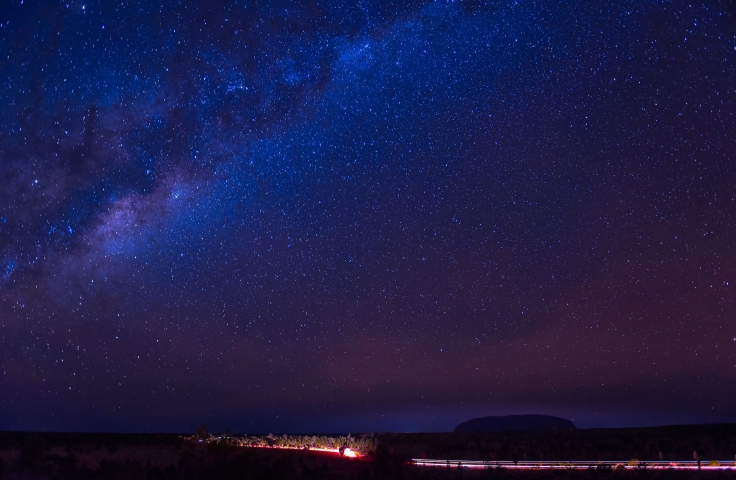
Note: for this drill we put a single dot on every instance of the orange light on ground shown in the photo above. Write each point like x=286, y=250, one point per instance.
x=346, y=453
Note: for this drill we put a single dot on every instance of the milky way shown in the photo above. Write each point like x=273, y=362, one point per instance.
x=329, y=216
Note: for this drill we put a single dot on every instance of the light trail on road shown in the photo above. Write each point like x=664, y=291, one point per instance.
x=578, y=465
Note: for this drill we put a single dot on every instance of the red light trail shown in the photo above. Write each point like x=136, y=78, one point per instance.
x=347, y=452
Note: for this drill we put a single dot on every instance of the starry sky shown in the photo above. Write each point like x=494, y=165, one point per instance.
x=333, y=216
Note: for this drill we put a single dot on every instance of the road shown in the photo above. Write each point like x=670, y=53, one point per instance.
x=579, y=465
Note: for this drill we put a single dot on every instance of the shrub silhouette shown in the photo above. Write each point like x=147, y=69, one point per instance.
x=32, y=451
x=202, y=433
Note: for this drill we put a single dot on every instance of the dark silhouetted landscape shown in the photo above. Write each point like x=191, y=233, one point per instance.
x=168, y=456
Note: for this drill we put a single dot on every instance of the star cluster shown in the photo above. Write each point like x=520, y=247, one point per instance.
x=356, y=216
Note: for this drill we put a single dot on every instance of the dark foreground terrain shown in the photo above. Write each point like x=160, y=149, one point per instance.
x=161, y=456
x=166, y=456
x=672, y=443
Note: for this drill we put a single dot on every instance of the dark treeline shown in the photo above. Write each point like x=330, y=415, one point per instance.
x=80, y=439
x=707, y=442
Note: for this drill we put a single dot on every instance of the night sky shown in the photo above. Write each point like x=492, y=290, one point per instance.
x=332, y=216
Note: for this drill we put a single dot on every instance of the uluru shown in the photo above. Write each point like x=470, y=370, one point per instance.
x=517, y=423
